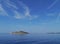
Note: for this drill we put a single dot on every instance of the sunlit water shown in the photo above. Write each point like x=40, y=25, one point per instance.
x=30, y=39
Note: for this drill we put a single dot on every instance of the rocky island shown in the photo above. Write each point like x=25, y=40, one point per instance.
x=20, y=32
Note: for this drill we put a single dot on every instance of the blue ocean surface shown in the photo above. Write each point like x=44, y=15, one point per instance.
x=30, y=39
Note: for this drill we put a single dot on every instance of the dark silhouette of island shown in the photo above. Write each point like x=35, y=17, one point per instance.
x=20, y=32
x=54, y=33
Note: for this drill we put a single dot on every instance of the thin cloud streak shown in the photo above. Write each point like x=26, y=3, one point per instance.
x=2, y=11
x=26, y=8
x=52, y=4
x=10, y=4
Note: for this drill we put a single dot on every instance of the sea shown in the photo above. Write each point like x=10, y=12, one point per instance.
x=29, y=38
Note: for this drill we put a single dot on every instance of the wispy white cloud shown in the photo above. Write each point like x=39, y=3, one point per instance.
x=33, y=17
x=58, y=18
x=26, y=9
x=26, y=12
x=10, y=4
x=2, y=11
x=51, y=14
x=52, y=4
x=18, y=15
x=56, y=15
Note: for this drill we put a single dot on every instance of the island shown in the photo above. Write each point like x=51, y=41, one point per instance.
x=20, y=32
x=54, y=33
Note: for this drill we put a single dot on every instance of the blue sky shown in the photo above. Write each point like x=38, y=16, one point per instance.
x=36, y=16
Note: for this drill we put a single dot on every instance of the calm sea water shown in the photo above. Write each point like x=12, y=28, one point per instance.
x=30, y=39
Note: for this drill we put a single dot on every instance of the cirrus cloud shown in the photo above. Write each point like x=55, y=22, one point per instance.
x=2, y=11
x=53, y=4
x=17, y=14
